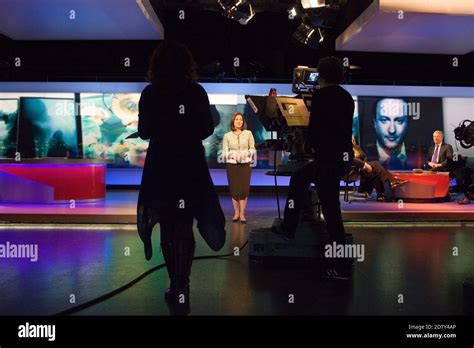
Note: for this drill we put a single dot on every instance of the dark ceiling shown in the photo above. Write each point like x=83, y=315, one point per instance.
x=264, y=47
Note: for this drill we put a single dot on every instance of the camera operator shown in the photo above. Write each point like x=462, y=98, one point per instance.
x=330, y=131
x=330, y=135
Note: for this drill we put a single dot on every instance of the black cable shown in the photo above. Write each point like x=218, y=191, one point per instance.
x=276, y=185
x=117, y=291
x=275, y=177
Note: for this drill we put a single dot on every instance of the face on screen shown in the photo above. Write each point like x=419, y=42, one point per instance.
x=391, y=123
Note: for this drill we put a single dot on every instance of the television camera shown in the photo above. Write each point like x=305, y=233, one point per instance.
x=288, y=117
x=463, y=171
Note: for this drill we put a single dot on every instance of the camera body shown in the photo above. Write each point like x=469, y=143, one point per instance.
x=464, y=133
x=305, y=79
x=464, y=172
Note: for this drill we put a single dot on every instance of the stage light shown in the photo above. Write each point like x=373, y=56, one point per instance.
x=309, y=35
x=239, y=10
x=321, y=39
x=313, y=3
x=303, y=33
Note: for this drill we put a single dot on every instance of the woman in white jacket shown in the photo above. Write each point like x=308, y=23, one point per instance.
x=238, y=149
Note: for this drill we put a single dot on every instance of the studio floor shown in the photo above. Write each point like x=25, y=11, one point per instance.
x=412, y=259
x=119, y=206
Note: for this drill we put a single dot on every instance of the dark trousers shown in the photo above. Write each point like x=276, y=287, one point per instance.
x=298, y=195
x=177, y=227
x=376, y=179
x=328, y=177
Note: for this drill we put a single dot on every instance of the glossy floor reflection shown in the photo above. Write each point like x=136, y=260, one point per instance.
x=414, y=261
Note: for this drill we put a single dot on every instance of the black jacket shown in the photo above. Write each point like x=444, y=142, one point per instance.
x=357, y=164
x=330, y=124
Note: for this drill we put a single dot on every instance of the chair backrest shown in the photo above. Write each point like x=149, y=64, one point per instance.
x=353, y=175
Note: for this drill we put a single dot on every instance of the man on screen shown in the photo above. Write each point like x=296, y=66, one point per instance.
x=391, y=126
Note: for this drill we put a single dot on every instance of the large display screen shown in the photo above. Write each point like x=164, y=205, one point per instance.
x=47, y=128
x=397, y=131
x=8, y=127
x=107, y=121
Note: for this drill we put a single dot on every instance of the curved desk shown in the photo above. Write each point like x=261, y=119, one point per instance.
x=423, y=187
x=51, y=180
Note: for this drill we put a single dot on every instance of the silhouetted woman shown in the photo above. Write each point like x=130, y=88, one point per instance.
x=176, y=186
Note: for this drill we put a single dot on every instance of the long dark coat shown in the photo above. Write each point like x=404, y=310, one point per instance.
x=175, y=174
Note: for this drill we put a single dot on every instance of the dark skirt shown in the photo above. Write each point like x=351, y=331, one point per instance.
x=238, y=176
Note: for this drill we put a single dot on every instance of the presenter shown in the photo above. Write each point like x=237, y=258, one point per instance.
x=238, y=149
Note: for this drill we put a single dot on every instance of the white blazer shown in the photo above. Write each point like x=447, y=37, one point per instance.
x=238, y=148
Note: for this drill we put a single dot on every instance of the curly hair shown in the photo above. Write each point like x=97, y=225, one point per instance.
x=331, y=69
x=172, y=66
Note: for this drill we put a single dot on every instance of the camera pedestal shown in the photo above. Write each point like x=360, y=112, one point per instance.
x=310, y=240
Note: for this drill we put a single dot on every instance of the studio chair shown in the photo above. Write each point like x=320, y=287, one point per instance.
x=351, y=178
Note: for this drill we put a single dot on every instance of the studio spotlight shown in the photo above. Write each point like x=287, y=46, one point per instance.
x=239, y=10
x=321, y=36
x=313, y=3
x=309, y=35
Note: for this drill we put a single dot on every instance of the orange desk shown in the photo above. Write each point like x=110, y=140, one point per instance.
x=423, y=187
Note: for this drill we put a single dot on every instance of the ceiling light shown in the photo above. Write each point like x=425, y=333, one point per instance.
x=313, y=3
x=321, y=39
x=308, y=35
x=239, y=10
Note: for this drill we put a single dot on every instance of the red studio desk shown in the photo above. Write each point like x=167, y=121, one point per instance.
x=423, y=187
x=51, y=180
